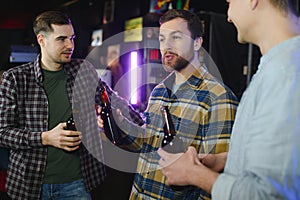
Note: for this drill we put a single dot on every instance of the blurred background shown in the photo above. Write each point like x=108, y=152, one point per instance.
x=97, y=20
x=134, y=56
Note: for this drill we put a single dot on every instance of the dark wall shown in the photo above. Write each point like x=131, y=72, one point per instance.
x=230, y=57
x=86, y=15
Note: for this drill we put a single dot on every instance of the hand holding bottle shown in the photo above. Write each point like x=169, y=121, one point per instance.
x=108, y=122
x=171, y=142
x=118, y=115
x=68, y=140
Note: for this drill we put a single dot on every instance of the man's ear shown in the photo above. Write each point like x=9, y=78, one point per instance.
x=197, y=43
x=253, y=4
x=40, y=39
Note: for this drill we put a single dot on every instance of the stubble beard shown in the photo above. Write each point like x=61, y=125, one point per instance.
x=179, y=64
x=64, y=59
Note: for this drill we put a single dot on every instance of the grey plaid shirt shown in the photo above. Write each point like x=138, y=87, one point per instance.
x=24, y=116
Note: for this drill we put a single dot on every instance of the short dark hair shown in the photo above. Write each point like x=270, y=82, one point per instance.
x=285, y=5
x=193, y=21
x=44, y=21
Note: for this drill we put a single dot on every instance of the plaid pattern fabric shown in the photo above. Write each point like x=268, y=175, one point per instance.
x=203, y=112
x=24, y=115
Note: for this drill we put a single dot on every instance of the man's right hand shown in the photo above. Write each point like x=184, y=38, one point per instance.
x=64, y=139
x=215, y=162
x=118, y=119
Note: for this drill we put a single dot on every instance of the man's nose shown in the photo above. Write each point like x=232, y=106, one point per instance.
x=69, y=43
x=166, y=45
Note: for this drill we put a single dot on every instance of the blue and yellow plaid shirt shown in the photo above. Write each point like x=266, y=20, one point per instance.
x=202, y=111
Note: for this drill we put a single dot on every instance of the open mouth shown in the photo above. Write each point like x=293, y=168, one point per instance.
x=169, y=56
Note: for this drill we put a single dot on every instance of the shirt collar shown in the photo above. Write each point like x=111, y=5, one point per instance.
x=38, y=69
x=200, y=73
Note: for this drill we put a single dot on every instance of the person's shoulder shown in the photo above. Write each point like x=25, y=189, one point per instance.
x=218, y=88
x=78, y=64
x=82, y=69
x=77, y=61
x=81, y=62
x=21, y=69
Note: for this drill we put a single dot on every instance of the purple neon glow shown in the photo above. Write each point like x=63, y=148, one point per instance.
x=133, y=77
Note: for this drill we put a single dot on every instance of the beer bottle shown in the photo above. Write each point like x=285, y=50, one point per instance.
x=171, y=143
x=107, y=117
x=71, y=124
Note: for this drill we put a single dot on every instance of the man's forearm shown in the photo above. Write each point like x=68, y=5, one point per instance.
x=203, y=177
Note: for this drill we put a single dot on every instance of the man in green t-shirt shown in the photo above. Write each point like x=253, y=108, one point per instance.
x=47, y=161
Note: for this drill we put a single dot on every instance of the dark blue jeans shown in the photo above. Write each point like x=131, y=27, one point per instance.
x=67, y=191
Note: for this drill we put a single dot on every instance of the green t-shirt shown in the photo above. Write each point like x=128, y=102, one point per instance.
x=62, y=166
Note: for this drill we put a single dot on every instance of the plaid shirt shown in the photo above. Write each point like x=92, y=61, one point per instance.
x=202, y=111
x=24, y=116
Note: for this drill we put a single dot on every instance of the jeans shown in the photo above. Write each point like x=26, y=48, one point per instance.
x=67, y=191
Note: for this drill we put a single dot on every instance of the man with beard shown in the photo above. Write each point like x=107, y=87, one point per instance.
x=48, y=161
x=202, y=109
